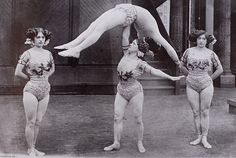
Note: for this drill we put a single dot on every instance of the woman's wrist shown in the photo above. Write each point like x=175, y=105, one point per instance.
x=177, y=62
x=27, y=77
x=126, y=47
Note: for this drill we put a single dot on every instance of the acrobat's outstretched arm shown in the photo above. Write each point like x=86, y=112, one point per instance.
x=125, y=39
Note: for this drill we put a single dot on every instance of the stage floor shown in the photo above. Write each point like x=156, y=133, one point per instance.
x=82, y=125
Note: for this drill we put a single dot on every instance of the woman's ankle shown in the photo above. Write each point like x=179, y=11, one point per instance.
x=116, y=143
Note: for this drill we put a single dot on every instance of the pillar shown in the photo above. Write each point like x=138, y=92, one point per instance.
x=223, y=49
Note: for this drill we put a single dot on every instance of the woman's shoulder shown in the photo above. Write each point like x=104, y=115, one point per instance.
x=142, y=63
x=192, y=48
x=188, y=50
x=210, y=52
x=47, y=51
x=26, y=52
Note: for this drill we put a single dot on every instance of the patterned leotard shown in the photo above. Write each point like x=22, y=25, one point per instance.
x=128, y=71
x=131, y=13
x=38, y=72
x=199, y=68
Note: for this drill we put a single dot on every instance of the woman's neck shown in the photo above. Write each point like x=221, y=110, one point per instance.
x=200, y=48
x=132, y=54
x=37, y=48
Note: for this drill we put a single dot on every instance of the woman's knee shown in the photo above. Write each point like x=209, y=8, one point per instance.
x=31, y=123
x=99, y=29
x=196, y=113
x=118, y=118
x=38, y=121
x=205, y=112
x=139, y=120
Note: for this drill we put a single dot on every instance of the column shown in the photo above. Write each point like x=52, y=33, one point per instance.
x=177, y=33
x=222, y=28
x=210, y=17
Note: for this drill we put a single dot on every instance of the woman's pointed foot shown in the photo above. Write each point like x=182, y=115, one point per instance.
x=114, y=146
x=70, y=53
x=197, y=141
x=205, y=143
x=141, y=148
x=39, y=153
x=31, y=153
x=62, y=47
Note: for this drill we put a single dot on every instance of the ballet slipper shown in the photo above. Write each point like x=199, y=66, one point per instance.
x=197, y=141
x=62, y=47
x=141, y=148
x=39, y=153
x=69, y=53
x=205, y=143
x=112, y=147
x=31, y=153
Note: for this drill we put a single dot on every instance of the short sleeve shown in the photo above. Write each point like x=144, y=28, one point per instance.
x=185, y=57
x=215, y=60
x=51, y=58
x=144, y=66
x=24, y=58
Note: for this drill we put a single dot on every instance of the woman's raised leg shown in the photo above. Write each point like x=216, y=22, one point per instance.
x=78, y=39
x=107, y=21
x=146, y=26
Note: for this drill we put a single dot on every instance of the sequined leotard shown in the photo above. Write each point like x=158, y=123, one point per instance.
x=131, y=13
x=199, y=68
x=129, y=70
x=38, y=72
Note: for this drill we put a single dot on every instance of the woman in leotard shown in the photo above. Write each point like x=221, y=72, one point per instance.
x=196, y=63
x=124, y=15
x=129, y=90
x=35, y=65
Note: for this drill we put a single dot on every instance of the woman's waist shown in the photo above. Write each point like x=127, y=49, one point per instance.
x=39, y=81
x=129, y=82
x=198, y=77
x=38, y=78
x=198, y=73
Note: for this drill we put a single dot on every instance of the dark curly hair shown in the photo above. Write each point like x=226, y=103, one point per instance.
x=33, y=32
x=196, y=33
x=143, y=46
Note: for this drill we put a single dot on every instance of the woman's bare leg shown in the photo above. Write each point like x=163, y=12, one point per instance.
x=137, y=103
x=42, y=107
x=109, y=20
x=78, y=39
x=193, y=98
x=146, y=26
x=30, y=105
x=119, y=109
x=206, y=98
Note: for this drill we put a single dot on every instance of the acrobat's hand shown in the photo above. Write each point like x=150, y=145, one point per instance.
x=140, y=54
x=70, y=53
x=177, y=78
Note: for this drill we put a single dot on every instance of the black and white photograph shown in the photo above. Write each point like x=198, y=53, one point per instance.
x=118, y=78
